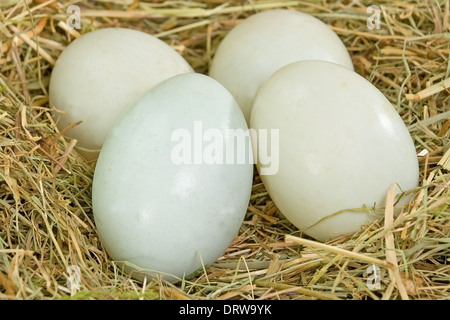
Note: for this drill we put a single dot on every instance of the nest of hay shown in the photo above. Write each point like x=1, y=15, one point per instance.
x=47, y=233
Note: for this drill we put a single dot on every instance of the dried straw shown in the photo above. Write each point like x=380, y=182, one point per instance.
x=46, y=221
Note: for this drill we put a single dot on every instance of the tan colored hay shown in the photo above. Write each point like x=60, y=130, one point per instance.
x=46, y=222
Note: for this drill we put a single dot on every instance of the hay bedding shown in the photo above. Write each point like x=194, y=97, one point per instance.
x=46, y=222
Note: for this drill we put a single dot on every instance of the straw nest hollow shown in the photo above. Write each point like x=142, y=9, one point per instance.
x=47, y=231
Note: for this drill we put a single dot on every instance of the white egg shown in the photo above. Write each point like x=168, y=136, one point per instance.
x=165, y=196
x=341, y=146
x=101, y=74
x=267, y=41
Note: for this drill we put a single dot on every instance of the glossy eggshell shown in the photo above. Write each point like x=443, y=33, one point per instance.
x=158, y=215
x=267, y=41
x=341, y=146
x=101, y=74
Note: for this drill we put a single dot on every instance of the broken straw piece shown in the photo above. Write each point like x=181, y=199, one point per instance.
x=436, y=88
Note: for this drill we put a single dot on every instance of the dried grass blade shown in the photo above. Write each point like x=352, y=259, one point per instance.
x=390, y=244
